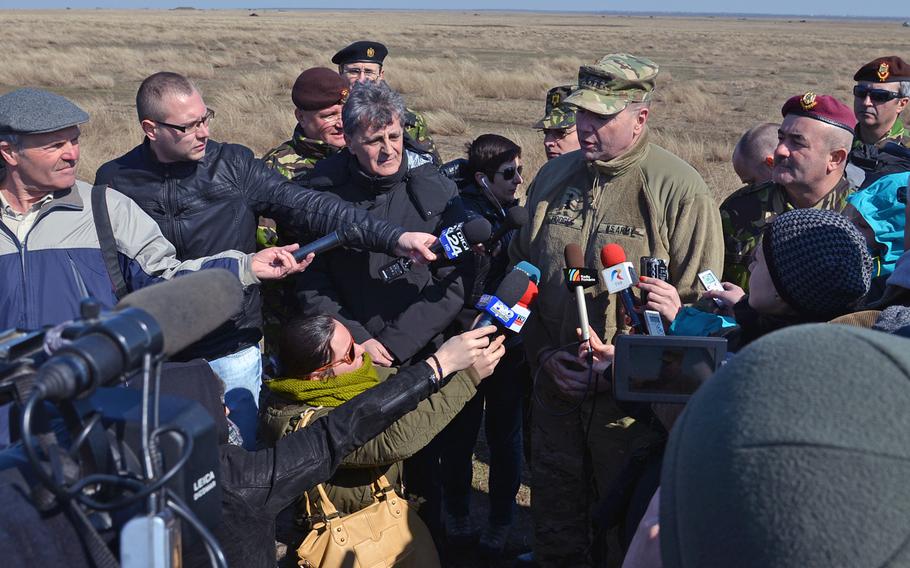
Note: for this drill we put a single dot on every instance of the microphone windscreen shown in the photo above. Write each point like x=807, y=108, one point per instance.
x=517, y=217
x=188, y=308
x=529, y=296
x=612, y=254
x=512, y=287
x=574, y=256
x=477, y=230
x=532, y=271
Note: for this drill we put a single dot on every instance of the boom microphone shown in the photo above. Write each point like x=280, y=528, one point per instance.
x=619, y=277
x=577, y=279
x=335, y=239
x=162, y=319
x=497, y=309
x=516, y=218
x=453, y=242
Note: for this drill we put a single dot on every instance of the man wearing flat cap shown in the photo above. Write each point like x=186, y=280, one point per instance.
x=558, y=123
x=51, y=254
x=619, y=188
x=318, y=96
x=881, y=94
x=363, y=61
x=808, y=171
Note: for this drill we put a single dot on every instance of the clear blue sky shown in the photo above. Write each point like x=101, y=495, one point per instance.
x=895, y=8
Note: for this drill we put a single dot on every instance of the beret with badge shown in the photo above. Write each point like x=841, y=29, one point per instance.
x=557, y=114
x=614, y=82
x=824, y=108
x=318, y=88
x=361, y=52
x=36, y=111
x=888, y=69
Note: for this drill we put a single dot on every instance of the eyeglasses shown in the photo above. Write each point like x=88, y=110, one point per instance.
x=875, y=95
x=191, y=128
x=346, y=360
x=557, y=134
x=358, y=71
x=509, y=173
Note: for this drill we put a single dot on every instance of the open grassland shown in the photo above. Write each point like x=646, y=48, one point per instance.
x=469, y=72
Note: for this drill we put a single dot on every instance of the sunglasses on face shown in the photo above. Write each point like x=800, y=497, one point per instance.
x=346, y=360
x=875, y=95
x=509, y=173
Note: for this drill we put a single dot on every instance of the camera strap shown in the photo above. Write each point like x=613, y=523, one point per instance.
x=106, y=239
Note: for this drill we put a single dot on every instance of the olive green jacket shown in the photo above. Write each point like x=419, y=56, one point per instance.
x=350, y=488
x=648, y=201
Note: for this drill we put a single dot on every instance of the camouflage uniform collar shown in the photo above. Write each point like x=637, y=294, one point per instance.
x=835, y=199
x=619, y=165
x=898, y=133
x=309, y=146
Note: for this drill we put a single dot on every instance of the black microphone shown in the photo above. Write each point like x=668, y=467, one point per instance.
x=453, y=242
x=577, y=279
x=162, y=319
x=497, y=308
x=335, y=239
x=516, y=218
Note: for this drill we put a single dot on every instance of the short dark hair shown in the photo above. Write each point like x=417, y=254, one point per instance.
x=155, y=88
x=489, y=151
x=306, y=344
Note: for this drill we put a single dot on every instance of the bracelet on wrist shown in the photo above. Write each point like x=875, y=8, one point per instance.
x=439, y=374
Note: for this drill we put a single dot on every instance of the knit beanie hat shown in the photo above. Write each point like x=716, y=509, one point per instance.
x=794, y=453
x=818, y=261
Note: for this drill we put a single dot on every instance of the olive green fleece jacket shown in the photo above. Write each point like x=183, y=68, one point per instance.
x=350, y=488
x=648, y=201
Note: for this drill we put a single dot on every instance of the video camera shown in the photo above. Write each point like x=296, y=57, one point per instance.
x=129, y=460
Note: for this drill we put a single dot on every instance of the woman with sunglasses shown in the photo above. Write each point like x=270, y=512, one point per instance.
x=324, y=367
x=494, y=168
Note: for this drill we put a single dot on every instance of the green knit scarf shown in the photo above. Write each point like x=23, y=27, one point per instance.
x=331, y=392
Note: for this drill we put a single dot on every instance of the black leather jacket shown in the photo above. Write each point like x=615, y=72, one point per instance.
x=214, y=205
x=256, y=486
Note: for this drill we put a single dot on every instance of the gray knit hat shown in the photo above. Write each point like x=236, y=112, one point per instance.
x=818, y=261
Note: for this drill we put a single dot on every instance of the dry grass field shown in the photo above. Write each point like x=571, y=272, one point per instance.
x=469, y=72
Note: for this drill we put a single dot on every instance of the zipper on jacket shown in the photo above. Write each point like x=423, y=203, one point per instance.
x=170, y=194
x=21, y=248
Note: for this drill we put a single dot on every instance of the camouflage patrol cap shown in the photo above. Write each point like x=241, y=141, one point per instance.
x=618, y=79
x=557, y=115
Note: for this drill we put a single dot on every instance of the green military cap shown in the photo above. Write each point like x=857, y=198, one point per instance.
x=612, y=83
x=35, y=111
x=557, y=114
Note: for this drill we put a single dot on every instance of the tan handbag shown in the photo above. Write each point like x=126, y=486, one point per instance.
x=386, y=534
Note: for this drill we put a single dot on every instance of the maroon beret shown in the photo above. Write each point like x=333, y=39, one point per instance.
x=821, y=107
x=318, y=88
x=884, y=70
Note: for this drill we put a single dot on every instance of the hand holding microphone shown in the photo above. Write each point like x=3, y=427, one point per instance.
x=619, y=277
x=453, y=242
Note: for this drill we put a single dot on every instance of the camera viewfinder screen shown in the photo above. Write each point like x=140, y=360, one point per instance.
x=674, y=370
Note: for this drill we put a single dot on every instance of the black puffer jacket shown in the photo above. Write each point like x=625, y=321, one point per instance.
x=477, y=201
x=213, y=205
x=411, y=311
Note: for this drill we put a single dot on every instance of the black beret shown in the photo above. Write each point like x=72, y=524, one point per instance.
x=35, y=111
x=318, y=88
x=884, y=70
x=361, y=51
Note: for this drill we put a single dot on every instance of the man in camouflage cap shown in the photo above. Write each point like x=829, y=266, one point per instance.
x=808, y=171
x=619, y=188
x=558, y=123
x=881, y=94
x=363, y=61
x=318, y=96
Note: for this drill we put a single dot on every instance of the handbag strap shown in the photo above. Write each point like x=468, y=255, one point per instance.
x=325, y=504
x=106, y=241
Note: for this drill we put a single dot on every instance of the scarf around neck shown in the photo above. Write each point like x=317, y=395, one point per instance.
x=331, y=392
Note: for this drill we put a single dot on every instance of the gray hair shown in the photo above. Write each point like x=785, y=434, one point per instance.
x=758, y=142
x=904, y=89
x=372, y=104
x=155, y=88
x=13, y=140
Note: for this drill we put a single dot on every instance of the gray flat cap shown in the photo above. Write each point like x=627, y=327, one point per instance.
x=33, y=111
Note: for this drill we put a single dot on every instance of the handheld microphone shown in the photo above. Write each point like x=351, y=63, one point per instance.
x=162, y=319
x=577, y=279
x=532, y=271
x=453, y=242
x=497, y=309
x=523, y=307
x=516, y=218
x=619, y=277
x=333, y=240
